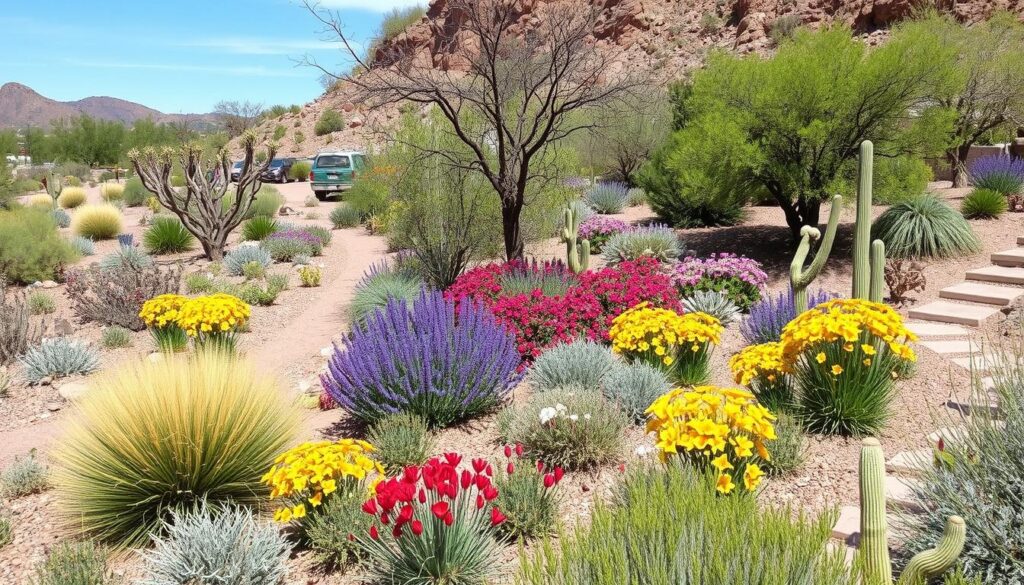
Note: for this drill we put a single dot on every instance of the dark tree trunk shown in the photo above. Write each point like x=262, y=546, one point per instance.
x=957, y=158
x=511, y=209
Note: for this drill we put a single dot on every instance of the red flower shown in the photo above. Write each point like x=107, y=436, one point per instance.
x=479, y=465
x=549, y=480
x=496, y=516
x=467, y=479
x=490, y=493
x=417, y=527
x=453, y=459
x=370, y=507
x=423, y=496
x=411, y=474
x=373, y=533
x=508, y=451
x=540, y=466
x=397, y=532
x=481, y=482
x=439, y=509
x=479, y=501
x=448, y=519
x=558, y=474
x=404, y=515
x=519, y=449
x=510, y=469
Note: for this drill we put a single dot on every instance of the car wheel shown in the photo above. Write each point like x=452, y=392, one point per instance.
x=320, y=195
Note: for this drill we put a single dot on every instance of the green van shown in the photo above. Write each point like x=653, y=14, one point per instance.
x=334, y=172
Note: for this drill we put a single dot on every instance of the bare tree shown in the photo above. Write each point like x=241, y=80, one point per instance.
x=623, y=139
x=207, y=206
x=514, y=94
x=238, y=116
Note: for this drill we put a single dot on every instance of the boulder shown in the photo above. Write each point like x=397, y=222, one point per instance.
x=72, y=391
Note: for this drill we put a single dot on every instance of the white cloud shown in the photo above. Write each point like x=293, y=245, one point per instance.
x=371, y=5
x=258, y=46
x=243, y=71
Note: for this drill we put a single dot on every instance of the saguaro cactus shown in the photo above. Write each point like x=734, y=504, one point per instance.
x=577, y=250
x=54, y=187
x=874, y=544
x=799, y=276
x=868, y=256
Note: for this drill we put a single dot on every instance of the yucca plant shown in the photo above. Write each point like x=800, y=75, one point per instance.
x=98, y=222
x=159, y=436
x=258, y=228
x=712, y=303
x=607, y=198
x=166, y=235
x=984, y=204
x=379, y=285
x=924, y=227
x=236, y=260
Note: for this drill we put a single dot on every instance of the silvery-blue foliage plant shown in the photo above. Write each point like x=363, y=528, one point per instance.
x=443, y=362
x=58, y=357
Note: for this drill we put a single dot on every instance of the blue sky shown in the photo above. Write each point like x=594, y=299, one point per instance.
x=178, y=57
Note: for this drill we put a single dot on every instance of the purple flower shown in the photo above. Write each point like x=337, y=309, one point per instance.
x=299, y=235
x=720, y=266
x=426, y=358
x=579, y=183
x=999, y=173
x=768, y=316
x=601, y=225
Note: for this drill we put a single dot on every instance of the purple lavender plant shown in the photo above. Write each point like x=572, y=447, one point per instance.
x=599, y=229
x=998, y=173
x=428, y=358
x=769, y=315
x=303, y=236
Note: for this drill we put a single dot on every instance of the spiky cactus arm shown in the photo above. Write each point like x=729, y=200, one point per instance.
x=877, y=270
x=931, y=563
x=54, y=187
x=874, y=539
x=799, y=276
x=577, y=251
x=862, y=228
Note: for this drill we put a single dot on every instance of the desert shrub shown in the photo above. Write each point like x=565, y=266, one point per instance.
x=18, y=331
x=268, y=201
x=769, y=315
x=634, y=387
x=114, y=296
x=236, y=260
x=6, y=530
x=73, y=563
x=126, y=257
x=311, y=201
x=400, y=440
x=40, y=303
x=300, y=170
x=198, y=283
x=177, y=180
x=658, y=242
x=330, y=531
x=998, y=173
x=255, y=294
x=897, y=179
x=40, y=201
x=712, y=303
x=310, y=276
x=345, y=216
x=73, y=173
x=24, y=476
x=788, y=450
x=636, y=196
x=463, y=364
x=58, y=357
x=60, y=218
x=527, y=496
x=135, y=194
x=330, y=120
x=369, y=194
x=84, y=246
x=286, y=244
x=258, y=228
x=581, y=364
x=382, y=283
x=228, y=543
x=598, y=229
x=571, y=429
x=607, y=198
x=299, y=137
x=739, y=278
x=924, y=227
x=176, y=432
x=253, y=271
x=323, y=234
x=71, y=197
x=783, y=27
x=111, y=192
x=984, y=204
x=166, y=235
x=99, y=222
x=115, y=337
x=668, y=524
x=903, y=277
x=30, y=248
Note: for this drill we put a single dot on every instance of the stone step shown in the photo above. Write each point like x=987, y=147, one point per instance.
x=944, y=312
x=976, y=292
x=847, y=527
x=909, y=463
x=1000, y=274
x=965, y=406
x=1020, y=240
x=1011, y=257
x=899, y=494
x=951, y=346
x=979, y=362
x=948, y=435
x=932, y=329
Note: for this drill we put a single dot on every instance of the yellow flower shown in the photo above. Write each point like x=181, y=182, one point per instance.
x=752, y=477
x=867, y=361
x=721, y=463
x=868, y=349
x=837, y=369
x=299, y=511
x=724, y=485
x=820, y=357
x=315, y=500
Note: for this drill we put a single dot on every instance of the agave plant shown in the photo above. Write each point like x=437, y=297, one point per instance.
x=712, y=303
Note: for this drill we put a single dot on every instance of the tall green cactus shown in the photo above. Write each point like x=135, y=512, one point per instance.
x=868, y=256
x=799, y=276
x=877, y=270
x=874, y=543
x=577, y=251
x=54, y=187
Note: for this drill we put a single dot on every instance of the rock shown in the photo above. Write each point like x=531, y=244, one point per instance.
x=156, y=357
x=53, y=406
x=347, y=107
x=48, y=284
x=72, y=391
x=45, y=381
x=355, y=123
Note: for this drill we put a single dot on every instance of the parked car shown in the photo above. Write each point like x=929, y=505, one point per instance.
x=334, y=172
x=236, y=171
x=278, y=171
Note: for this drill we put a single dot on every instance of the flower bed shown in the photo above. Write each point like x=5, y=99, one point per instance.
x=739, y=278
x=599, y=229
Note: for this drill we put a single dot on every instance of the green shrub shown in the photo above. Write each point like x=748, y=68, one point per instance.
x=6, y=530
x=658, y=242
x=345, y=216
x=284, y=249
x=330, y=121
x=167, y=235
x=135, y=194
x=126, y=257
x=98, y=222
x=73, y=563
x=174, y=432
x=300, y=170
x=80, y=171
x=40, y=303
x=268, y=201
x=984, y=204
x=31, y=249
x=369, y=195
x=177, y=180
x=23, y=477
x=71, y=197
x=253, y=271
x=667, y=524
x=198, y=283
x=264, y=296
x=565, y=428
x=258, y=228
x=115, y=337
x=783, y=28
x=897, y=179
x=581, y=364
x=329, y=531
x=322, y=233
x=399, y=19
x=636, y=196
x=788, y=449
x=236, y=260
x=400, y=440
x=607, y=197
x=380, y=286
x=279, y=132
x=924, y=227
x=229, y=543
x=634, y=387
x=58, y=357
x=530, y=507
x=299, y=137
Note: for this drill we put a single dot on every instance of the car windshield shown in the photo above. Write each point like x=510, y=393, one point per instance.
x=332, y=160
x=237, y=165
x=276, y=163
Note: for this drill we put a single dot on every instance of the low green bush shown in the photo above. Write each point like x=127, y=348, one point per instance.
x=984, y=204
x=330, y=120
x=23, y=477
x=924, y=227
x=300, y=170
x=115, y=337
x=788, y=450
x=529, y=504
x=634, y=387
x=330, y=530
x=135, y=194
x=40, y=303
x=31, y=249
x=380, y=286
x=6, y=530
x=74, y=563
x=268, y=201
x=167, y=235
x=400, y=440
x=258, y=228
x=345, y=216
x=198, y=283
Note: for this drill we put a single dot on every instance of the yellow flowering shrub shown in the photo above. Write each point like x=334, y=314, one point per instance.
x=858, y=324
x=724, y=429
x=211, y=314
x=310, y=472
x=679, y=344
x=162, y=310
x=763, y=369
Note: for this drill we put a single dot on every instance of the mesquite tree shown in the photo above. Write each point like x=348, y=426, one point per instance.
x=509, y=85
x=207, y=205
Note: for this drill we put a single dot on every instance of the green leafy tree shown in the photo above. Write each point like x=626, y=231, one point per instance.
x=88, y=140
x=791, y=125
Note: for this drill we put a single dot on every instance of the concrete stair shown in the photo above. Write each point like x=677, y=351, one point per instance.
x=1020, y=240
x=977, y=292
x=1011, y=257
x=999, y=274
x=909, y=463
x=899, y=494
x=847, y=527
x=951, y=346
x=959, y=314
x=930, y=329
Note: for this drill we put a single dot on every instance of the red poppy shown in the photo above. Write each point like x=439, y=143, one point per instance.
x=439, y=509
x=519, y=449
x=373, y=533
x=549, y=480
x=496, y=516
x=490, y=493
x=558, y=474
x=417, y=527
x=370, y=507
x=510, y=469
x=453, y=459
x=508, y=451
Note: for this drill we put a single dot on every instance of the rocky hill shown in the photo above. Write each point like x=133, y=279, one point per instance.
x=22, y=106
x=668, y=37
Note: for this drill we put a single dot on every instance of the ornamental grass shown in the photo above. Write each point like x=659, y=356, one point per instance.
x=159, y=436
x=97, y=221
x=680, y=345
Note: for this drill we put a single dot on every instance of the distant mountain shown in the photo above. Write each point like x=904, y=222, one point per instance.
x=22, y=106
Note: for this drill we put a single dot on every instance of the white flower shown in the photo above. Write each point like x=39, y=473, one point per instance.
x=546, y=414
x=644, y=450
x=304, y=386
x=574, y=417
x=586, y=416
x=560, y=407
